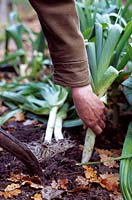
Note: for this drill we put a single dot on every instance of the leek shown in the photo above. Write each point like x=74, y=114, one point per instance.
x=126, y=166
x=50, y=125
x=102, y=73
x=101, y=56
x=61, y=115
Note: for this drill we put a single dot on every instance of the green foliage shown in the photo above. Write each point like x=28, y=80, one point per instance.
x=108, y=46
x=91, y=12
x=127, y=89
x=19, y=1
x=36, y=97
x=126, y=166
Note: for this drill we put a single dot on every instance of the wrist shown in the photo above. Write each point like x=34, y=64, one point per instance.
x=88, y=87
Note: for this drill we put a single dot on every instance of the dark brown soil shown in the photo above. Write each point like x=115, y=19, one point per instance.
x=61, y=165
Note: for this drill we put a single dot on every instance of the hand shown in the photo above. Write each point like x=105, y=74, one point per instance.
x=89, y=108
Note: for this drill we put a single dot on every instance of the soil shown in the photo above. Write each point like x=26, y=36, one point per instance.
x=61, y=166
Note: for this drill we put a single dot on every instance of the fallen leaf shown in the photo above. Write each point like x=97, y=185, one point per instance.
x=11, y=187
x=54, y=184
x=110, y=182
x=62, y=184
x=15, y=178
x=110, y=163
x=24, y=179
x=51, y=193
x=107, y=155
x=82, y=181
x=30, y=122
x=10, y=194
x=80, y=189
x=28, y=182
x=116, y=152
x=36, y=186
x=3, y=109
x=19, y=116
x=37, y=197
x=103, y=151
x=1, y=149
x=90, y=174
x=81, y=147
x=116, y=197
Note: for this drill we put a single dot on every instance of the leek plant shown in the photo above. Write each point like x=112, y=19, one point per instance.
x=127, y=89
x=126, y=166
x=61, y=115
x=102, y=11
x=41, y=99
x=55, y=95
x=16, y=32
x=105, y=63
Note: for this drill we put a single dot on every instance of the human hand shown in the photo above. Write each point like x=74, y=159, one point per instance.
x=89, y=108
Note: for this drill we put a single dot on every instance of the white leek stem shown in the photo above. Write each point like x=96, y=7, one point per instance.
x=50, y=125
x=61, y=115
x=88, y=145
x=58, y=129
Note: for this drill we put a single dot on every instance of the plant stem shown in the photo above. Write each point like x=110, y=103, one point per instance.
x=58, y=129
x=88, y=145
x=50, y=125
x=61, y=115
x=110, y=160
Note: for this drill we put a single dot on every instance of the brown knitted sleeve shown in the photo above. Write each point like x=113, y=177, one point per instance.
x=60, y=25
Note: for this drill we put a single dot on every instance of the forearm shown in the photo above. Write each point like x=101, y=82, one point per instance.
x=60, y=24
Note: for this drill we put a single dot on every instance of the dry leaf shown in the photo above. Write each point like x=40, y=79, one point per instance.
x=116, y=197
x=36, y=186
x=62, y=184
x=32, y=185
x=107, y=155
x=116, y=152
x=10, y=194
x=82, y=181
x=103, y=151
x=90, y=174
x=3, y=109
x=24, y=178
x=37, y=197
x=110, y=182
x=1, y=149
x=50, y=193
x=11, y=187
x=27, y=182
x=30, y=122
x=110, y=163
x=54, y=185
x=80, y=189
x=81, y=147
x=15, y=178
x=19, y=116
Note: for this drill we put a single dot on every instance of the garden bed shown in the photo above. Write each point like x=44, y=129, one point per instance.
x=63, y=178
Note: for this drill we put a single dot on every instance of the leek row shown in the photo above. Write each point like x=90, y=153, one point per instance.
x=126, y=166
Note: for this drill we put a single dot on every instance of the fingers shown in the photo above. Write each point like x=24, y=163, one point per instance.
x=104, y=117
x=102, y=124
x=97, y=129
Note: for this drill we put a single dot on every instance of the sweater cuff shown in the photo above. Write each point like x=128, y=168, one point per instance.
x=73, y=74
